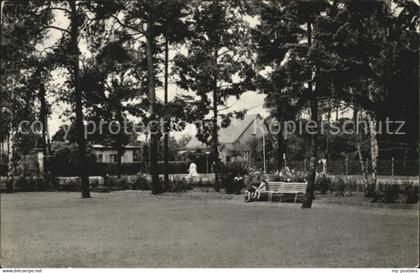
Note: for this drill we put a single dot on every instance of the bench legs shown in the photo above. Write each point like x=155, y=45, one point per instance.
x=270, y=196
x=296, y=195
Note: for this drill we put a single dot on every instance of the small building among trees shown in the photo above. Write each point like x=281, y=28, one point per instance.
x=108, y=154
x=236, y=141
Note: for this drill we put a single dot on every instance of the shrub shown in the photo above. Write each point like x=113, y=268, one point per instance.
x=3, y=169
x=65, y=160
x=175, y=167
x=370, y=190
x=322, y=183
x=235, y=168
x=233, y=184
x=276, y=177
x=360, y=185
x=389, y=192
x=131, y=180
x=41, y=184
x=69, y=184
x=116, y=183
x=36, y=183
x=350, y=184
x=298, y=177
x=248, y=180
x=228, y=173
x=53, y=181
x=179, y=184
x=338, y=186
x=94, y=182
x=102, y=169
x=412, y=192
x=23, y=184
x=143, y=182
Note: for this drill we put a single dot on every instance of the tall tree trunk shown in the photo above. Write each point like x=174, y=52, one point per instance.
x=374, y=153
x=120, y=146
x=280, y=141
x=166, y=135
x=156, y=187
x=120, y=154
x=1, y=151
x=327, y=150
x=307, y=202
x=11, y=168
x=43, y=116
x=80, y=128
x=357, y=140
x=373, y=188
x=215, y=134
x=48, y=135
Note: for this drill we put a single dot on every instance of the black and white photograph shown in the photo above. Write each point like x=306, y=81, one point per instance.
x=217, y=134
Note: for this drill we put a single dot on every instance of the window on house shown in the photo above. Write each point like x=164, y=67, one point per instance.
x=136, y=155
x=125, y=157
x=113, y=158
x=100, y=157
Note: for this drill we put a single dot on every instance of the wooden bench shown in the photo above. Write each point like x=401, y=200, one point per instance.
x=284, y=188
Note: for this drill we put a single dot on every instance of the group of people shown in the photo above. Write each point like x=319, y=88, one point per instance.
x=256, y=185
x=256, y=181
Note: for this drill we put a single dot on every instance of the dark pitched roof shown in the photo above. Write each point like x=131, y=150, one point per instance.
x=227, y=135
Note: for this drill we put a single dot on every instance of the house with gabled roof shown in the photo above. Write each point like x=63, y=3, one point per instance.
x=234, y=140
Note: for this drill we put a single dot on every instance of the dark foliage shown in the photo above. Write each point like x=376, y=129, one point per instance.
x=3, y=169
x=25, y=184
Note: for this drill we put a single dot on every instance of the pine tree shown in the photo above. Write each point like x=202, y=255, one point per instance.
x=273, y=37
x=292, y=29
x=68, y=55
x=216, y=56
x=175, y=29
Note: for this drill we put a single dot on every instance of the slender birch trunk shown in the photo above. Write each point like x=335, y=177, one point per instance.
x=357, y=140
x=374, y=151
x=373, y=189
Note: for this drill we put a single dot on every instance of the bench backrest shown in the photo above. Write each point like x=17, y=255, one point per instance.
x=286, y=187
x=274, y=186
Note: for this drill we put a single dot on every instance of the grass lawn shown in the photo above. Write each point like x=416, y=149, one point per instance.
x=195, y=229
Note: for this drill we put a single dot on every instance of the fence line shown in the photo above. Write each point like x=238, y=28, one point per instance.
x=336, y=167
x=352, y=167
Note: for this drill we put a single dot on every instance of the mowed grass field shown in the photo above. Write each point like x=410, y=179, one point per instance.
x=196, y=229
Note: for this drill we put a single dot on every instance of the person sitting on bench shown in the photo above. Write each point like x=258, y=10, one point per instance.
x=254, y=192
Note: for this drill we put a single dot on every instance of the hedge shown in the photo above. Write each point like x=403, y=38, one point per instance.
x=98, y=169
x=101, y=169
x=175, y=167
x=182, y=167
